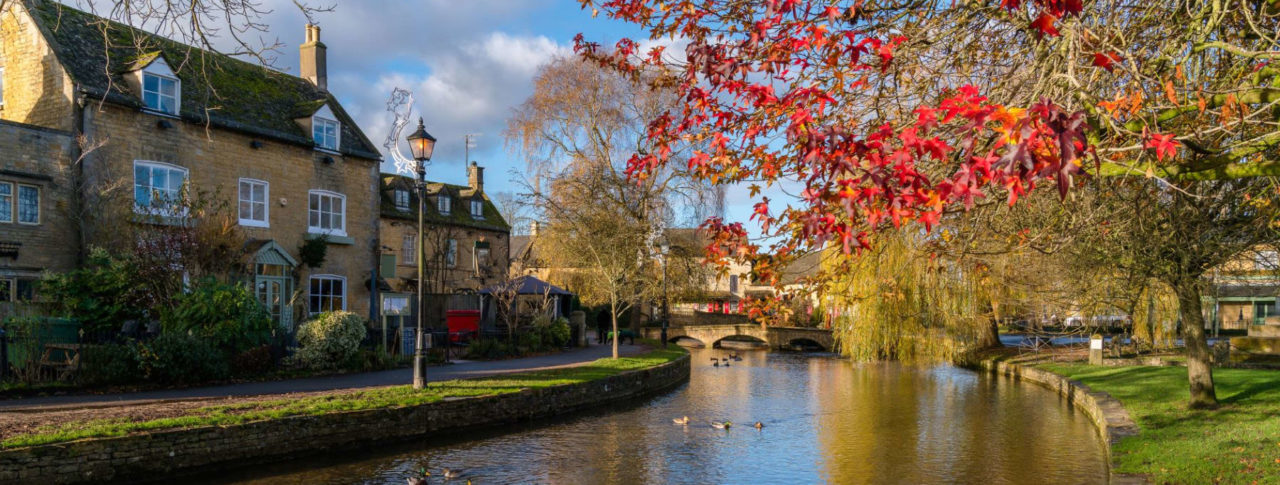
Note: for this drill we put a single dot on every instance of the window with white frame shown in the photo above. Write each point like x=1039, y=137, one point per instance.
x=326, y=213
x=253, y=203
x=1266, y=260
x=157, y=188
x=481, y=259
x=327, y=293
x=477, y=209
x=444, y=203
x=325, y=133
x=409, y=249
x=401, y=199
x=451, y=254
x=160, y=93
x=28, y=204
x=6, y=202
x=733, y=283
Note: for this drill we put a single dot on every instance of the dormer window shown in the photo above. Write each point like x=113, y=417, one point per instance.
x=477, y=209
x=444, y=204
x=325, y=130
x=161, y=88
x=402, y=200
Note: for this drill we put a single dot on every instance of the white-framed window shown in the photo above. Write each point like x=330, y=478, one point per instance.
x=733, y=283
x=327, y=293
x=157, y=188
x=160, y=93
x=444, y=203
x=28, y=204
x=401, y=199
x=481, y=259
x=253, y=203
x=409, y=249
x=326, y=213
x=325, y=133
x=477, y=209
x=451, y=254
x=6, y=202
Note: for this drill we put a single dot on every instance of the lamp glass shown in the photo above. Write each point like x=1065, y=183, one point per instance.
x=421, y=143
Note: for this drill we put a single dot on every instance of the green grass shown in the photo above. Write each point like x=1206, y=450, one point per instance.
x=1237, y=443
x=386, y=397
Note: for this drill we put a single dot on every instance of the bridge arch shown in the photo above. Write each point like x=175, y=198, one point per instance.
x=806, y=344
x=740, y=338
x=687, y=341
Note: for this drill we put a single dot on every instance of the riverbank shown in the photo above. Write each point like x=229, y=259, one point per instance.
x=1152, y=437
x=193, y=438
x=1237, y=443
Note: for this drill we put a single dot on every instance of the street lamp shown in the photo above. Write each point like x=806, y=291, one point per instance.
x=666, y=312
x=422, y=144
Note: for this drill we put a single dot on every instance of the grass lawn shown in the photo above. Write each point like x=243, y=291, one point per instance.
x=1237, y=443
x=387, y=397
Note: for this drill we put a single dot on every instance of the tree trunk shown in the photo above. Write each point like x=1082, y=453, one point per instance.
x=1199, y=368
x=990, y=336
x=613, y=315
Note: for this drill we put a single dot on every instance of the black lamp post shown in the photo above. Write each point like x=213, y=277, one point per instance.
x=666, y=311
x=422, y=144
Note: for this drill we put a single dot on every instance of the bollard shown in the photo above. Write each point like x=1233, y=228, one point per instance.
x=578, y=320
x=1095, y=350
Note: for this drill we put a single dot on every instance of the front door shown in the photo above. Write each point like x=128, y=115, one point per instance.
x=274, y=292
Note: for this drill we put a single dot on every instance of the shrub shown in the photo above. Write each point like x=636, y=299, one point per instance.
x=255, y=361
x=225, y=314
x=109, y=364
x=552, y=333
x=329, y=340
x=102, y=295
x=487, y=348
x=179, y=358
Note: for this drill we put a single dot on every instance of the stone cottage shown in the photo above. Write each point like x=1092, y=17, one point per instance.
x=116, y=107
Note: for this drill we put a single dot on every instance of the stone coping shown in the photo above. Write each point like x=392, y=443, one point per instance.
x=1106, y=412
x=162, y=455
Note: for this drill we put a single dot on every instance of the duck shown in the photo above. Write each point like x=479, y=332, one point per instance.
x=715, y=359
x=684, y=420
x=724, y=425
x=451, y=474
x=759, y=425
x=421, y=479
x=717, y=364
x=726, y=363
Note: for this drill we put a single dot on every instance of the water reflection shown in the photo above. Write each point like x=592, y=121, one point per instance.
x=826, y=420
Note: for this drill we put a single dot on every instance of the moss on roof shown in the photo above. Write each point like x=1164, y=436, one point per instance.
x=460, y=215
x=219, y=89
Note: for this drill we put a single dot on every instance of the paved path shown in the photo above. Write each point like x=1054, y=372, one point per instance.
x=313, y=384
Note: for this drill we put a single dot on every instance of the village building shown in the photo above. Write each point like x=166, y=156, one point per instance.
x=467, y=246
x=153, y=117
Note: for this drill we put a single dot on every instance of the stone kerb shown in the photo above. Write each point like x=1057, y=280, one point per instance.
x=161, y=455
x=1106, y=412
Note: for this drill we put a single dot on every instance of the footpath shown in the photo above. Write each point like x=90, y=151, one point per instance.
x=460, y=370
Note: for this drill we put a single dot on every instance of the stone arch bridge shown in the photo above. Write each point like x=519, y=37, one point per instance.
x=776, y=337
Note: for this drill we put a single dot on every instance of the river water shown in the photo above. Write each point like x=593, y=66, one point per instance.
x=826, y=419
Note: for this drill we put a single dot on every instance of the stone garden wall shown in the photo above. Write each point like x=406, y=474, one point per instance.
x=162, y=455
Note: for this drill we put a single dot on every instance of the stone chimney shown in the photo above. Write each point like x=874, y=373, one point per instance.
x=313, y=64
x=475, y=177
x=534, y=226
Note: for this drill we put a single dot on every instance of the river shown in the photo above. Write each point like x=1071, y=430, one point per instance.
x=827, y=420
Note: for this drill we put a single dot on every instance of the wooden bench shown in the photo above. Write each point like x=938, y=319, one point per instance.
x=64, y=367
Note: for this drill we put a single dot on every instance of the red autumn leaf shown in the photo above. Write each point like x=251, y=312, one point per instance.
x=1044, y=25
x=1165, y=145
x=1105, y=60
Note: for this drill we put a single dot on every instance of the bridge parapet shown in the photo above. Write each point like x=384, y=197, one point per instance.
x=776, y=337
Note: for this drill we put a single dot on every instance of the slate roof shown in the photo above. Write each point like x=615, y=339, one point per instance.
x=459, y=214
x=224, y=91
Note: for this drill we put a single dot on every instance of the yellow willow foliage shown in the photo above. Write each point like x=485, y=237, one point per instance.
x=897, y=302
x=1155, y=316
